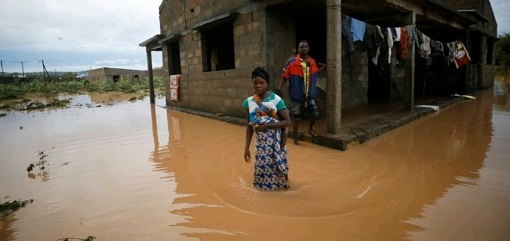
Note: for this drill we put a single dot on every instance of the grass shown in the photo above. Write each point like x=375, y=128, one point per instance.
x=19, y=91
x=17, y=96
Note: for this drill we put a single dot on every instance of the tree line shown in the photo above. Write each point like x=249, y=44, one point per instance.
x=503, y=54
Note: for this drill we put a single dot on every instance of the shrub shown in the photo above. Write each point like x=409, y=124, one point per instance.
x=10, y=92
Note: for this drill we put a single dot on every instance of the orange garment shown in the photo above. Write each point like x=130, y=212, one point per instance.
x=404, y=40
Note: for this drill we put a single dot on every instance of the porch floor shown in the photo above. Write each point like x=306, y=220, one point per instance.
x=360, y=124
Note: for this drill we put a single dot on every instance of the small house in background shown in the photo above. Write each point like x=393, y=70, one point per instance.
x=115, y=74
x=82, y=76
x=213, y=46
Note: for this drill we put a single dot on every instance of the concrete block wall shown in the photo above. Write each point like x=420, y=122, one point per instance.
x=220, y=91
x=489, y=75
x=96, y=74
x=281, y=38
x=171, y=17
x=474, y=75
x=397, y=76
x=178, y=15
x=354, y=75
x=484, y=7
x=108, y=73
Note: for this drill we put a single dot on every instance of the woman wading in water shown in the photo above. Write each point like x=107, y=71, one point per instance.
x=266, y=115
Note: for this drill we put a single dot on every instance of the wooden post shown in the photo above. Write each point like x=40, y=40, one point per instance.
x=334, y=65
x=409, y=69
x=151, y=79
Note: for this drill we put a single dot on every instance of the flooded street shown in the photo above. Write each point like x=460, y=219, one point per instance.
x=132, y=171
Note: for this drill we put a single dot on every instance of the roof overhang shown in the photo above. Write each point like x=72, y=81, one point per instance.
x=169, y=39
x=434, y=18
x=152, y=43
x=216, y=21
x=475, y=14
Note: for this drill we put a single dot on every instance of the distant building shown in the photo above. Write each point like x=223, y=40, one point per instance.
x=115, y=74
x=82, y=76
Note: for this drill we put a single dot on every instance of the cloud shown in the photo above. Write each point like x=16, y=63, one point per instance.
x=118, y=62
x=501, y=9
x=77, y=33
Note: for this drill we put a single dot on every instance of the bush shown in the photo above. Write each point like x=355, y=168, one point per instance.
x=10, y=92
x=75, y=86
x=503, y=53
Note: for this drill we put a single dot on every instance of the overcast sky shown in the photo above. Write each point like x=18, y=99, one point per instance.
x=77, y=35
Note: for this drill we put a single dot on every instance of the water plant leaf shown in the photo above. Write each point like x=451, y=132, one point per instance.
x=30, y=168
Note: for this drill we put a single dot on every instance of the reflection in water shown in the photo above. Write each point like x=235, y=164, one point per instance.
x=158, y=174
x=501, y=98
x=6, y=230
x=469, y=209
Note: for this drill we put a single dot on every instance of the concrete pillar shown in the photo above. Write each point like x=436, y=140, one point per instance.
x=483, y=50
x=151, y=79
x=334, y=65
x=410, y=68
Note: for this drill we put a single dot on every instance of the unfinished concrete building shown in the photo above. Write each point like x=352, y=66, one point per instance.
x=115, y=74
x=212, y=46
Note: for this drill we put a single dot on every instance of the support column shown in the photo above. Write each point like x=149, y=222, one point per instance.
x=334, y=65
x=409, y=69
x=151, y=79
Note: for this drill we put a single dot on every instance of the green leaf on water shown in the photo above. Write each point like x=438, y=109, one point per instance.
x=30, y=168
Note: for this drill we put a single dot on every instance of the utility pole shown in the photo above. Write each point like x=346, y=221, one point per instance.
x=2, y=64
x=22, y=69
x=45, y=73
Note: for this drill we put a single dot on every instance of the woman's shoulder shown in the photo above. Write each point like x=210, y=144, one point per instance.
x=249, y=98
x=247, y=101
x=276, y=100
x=274, y=97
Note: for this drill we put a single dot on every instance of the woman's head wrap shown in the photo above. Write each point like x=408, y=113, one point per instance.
x=260, y=72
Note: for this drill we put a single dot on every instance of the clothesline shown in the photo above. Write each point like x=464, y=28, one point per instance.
x=373, y=37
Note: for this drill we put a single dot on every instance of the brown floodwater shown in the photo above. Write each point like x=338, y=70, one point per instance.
x=135, y=171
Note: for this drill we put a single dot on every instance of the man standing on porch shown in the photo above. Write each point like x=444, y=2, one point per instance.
x=302, y=73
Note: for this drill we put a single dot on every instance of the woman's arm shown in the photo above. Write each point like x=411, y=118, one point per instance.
x=249, y=135
x=284, y=122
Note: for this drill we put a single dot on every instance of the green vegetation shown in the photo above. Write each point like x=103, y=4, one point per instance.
x=9, y=207
x=42, y=165
x=12, y=206
x=89, y=238
x=503, y=54
x=27, y=104
x=37, y=85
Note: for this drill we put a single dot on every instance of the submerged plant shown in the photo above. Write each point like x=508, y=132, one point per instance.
x=11, y=206
x=89, y=238
x=41, y=164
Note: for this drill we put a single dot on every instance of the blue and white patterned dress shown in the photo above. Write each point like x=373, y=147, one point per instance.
x=270, y=161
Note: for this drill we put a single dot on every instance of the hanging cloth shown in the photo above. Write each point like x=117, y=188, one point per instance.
x=461, y=55
x=357, y=29
x=346, y=32
x=404, y=42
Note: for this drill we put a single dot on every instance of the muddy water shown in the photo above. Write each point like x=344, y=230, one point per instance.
x=132, y=171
